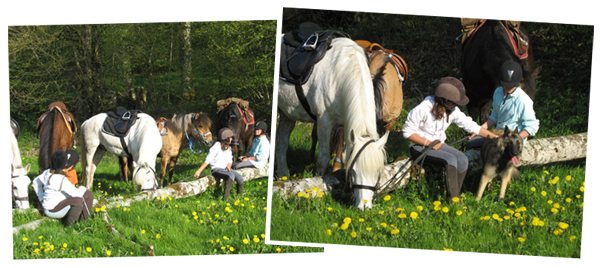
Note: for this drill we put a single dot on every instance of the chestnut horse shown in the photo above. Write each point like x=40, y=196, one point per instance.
x=235, y=119
x=56, y=130
x=484, y=52
x=387, y=76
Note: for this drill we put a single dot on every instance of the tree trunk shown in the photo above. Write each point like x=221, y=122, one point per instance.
x=187, y=92
x=536, y=152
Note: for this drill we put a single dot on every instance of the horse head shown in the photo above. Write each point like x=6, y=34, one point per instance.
x=20, y=185
x=367, y=158
x=201, y=125
x=145, y=177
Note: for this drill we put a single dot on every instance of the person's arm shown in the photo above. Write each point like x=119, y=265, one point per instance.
x=422, y=141
x=199, y=171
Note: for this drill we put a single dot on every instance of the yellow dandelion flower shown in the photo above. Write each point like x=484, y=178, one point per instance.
x=521, y=239
x=458, y=213
x=158, y=236
x=344, y=226
x=64, y=245
x=24, y=239
x=361, y=220
x=328, y=232
x=437, y=203
x=399, y=209
x=387, y=198
x=35, y=243
x=402, y=216
x=321, y=194
x=581, y=189
x=256, y=239
x=284, y=178
x=544, y=193
x=578, y=196
x=546, y=172
x=487, y=218
x=414, y=215
x=568, y=200
x=437, y=208
x=368, y=229
x=395, y=231
x=445, y=209
x=533, y=189
x=558, y=232
x=550, y=202
x=563, y=225
x=347, y=220
x=556, y=205
x=448, y=249
x=300, y=194
x=541, y=223
x=278, y=249
x=381, y=212
x=365, y=201
x=383, y=224
x=108, y=253
x=420, y=208
x=329, y=209
x=511, y=203
x=572, y=238
x=568, y=177
x=558, y=192
x=353, y=234
x=554, y=210
x=143, y=231
x=507, y=217
x=245, y=241
x=455, y=199
x=88, y=249
x=495, y=216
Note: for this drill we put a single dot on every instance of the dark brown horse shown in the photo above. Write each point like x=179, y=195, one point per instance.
x=387, y=75
x=484, y=52
x=56, y=131
x=241, y=123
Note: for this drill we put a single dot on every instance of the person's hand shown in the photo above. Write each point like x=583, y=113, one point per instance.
x=471, y=135
x=437, y=146
x=197, y=174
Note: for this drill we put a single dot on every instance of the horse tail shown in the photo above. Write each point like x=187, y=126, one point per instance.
x=45, y=134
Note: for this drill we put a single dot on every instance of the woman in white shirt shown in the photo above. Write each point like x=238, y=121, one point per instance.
x=59, y=198
x=220, y=159
x=428, y=122
x=259, y=154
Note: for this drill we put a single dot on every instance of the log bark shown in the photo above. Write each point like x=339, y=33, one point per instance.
x=536, y=152
x=32, y=225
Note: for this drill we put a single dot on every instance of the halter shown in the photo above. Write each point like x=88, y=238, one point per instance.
x=191, y=143
x=360, y=186
x=155, y=185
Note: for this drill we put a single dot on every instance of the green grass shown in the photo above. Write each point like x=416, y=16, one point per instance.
x=488, y=226
x=197, y=225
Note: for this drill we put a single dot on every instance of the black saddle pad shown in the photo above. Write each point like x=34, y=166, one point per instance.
x=119, y=121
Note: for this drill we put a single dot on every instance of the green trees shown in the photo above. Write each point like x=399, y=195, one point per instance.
x=161, y=68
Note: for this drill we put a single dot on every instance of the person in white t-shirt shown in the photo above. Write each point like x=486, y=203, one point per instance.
x=220, y=159
x=59, y=199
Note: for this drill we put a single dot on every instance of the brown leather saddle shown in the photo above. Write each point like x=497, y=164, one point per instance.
x=61, y=109
x=519, y=41
x=398, y=61
x=300, y=51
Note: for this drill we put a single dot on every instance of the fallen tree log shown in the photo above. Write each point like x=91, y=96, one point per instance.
x=536, y=152
x=176, y=190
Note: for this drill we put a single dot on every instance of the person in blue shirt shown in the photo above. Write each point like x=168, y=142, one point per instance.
x=511, y=106
x=259, y=154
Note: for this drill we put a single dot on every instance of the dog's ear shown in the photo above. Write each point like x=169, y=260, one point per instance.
x=506, y=131
x=517, y=129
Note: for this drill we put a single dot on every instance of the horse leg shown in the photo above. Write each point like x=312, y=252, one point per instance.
x=123, y=168
x=172, y=168
x=163, y=169
x=324, y=134
x=284, y=129
x=313, y=146
x=337, y=146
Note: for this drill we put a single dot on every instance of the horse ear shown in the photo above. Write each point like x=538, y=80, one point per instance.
x=197, y=116
x=352, y=137
x=12, y=168
x=27, y=168
x=383, y=140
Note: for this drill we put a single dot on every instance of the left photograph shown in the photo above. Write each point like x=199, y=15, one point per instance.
x=144, y=139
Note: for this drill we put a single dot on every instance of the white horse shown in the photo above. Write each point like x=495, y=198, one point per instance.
x=339, y=92
x=143, y=143
x=20, y=180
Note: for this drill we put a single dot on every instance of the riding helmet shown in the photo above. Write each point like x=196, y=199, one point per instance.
x=510, y=74
x=58, y=160
x=452, y=89
x=72, y=157
x=261, y=125
x=225, y=133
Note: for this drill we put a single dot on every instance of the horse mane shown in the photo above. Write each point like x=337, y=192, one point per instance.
x=357, y=92
x=16, y=153
x=180, y=121
x=45, y=135
x=379, y=87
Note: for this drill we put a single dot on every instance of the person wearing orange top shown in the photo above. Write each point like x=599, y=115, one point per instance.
x=72, y=160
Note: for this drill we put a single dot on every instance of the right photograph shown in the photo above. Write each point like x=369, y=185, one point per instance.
x=424, y=132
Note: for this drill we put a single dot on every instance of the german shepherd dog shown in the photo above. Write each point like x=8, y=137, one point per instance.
x=500, y=157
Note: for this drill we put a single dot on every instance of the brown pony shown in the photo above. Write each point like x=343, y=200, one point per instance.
x=387, y=70
x=177, y=134
x=56, y=130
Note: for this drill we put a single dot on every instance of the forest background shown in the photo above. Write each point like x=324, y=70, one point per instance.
x=159, y=68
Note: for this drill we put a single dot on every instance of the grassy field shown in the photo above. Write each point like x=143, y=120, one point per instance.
x=197, y=225
x=541, y=214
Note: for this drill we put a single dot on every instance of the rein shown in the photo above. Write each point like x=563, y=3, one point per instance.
x=360, y=186
x=391, y=185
